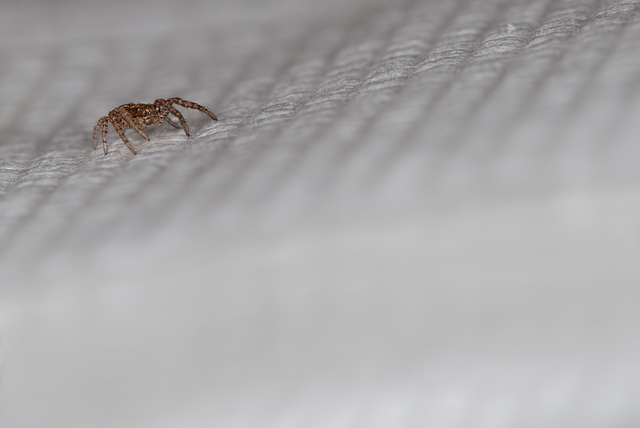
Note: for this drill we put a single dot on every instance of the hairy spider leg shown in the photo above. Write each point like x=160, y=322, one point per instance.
x=164, y=116
x=177, y=114
x=192, y=105
x=123, y=137
x=165, y=110
x=170, y=122
x=96, y=129
x=105, y=129
x=132, y=123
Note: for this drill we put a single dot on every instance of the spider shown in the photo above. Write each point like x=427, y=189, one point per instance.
x=138, y=116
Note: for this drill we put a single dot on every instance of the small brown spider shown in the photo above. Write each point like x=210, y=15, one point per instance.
x=138, y=116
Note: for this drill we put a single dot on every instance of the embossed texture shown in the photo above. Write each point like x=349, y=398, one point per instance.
x=414, y=214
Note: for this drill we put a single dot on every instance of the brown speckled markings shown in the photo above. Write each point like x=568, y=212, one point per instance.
x=138, y=116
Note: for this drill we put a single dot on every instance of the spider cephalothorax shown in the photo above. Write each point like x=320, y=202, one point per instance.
x=138, y=116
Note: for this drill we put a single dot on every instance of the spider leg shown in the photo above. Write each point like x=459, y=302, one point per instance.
x=190, y=104
x=132, y=124
x=105, y=129
x=177, y=114
x=181, y=118
x=123, y=137
x=96, y=129
x=164, y=118
x=172, y=123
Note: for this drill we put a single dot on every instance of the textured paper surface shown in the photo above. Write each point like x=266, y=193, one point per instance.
x=413, y=214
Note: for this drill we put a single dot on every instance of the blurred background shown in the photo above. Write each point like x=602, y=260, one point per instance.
x=409, y=214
